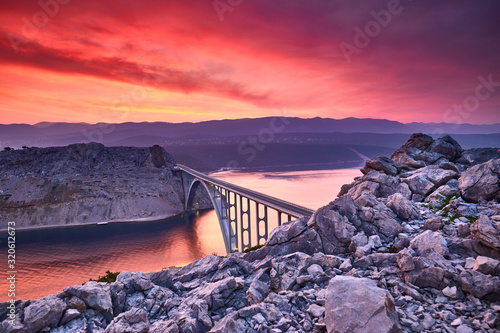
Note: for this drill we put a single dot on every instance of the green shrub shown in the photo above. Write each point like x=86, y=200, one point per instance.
x=253, y=248
x=472, y=219
x=108, y=278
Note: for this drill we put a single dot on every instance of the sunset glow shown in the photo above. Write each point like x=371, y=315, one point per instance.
x=116, y=61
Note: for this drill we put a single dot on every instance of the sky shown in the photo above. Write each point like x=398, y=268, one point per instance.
x=175, y=61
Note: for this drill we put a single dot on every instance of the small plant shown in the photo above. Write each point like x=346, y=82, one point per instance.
x=108, y=278
x=253, y=248
x=454, y=217
x=472, y=219
x=447, y=200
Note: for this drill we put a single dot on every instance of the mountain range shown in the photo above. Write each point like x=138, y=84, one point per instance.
x=253, y=143
x=65, y=133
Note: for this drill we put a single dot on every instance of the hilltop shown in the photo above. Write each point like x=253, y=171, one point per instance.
x=87, y=183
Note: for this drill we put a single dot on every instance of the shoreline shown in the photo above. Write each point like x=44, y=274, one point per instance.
x=141, y=220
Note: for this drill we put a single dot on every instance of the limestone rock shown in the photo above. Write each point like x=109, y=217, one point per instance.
x=334, y=229
x=380, y=163
x=425, y=180
x=199, y=268
x=291, y=237
x=132, y=321
x=69, y=315
x=405, y=261
x=480, y=285
x=447, y=147
x=45, y=312
x=487, y=265
x=429, y=242
x=407, y=154
x=434, y=224
x=402, y=207
x=358, y=305
x=481, y=182
x=96, y=295
x=428, y=273
x=487, y=232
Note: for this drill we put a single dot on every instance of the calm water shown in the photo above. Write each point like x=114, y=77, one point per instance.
x=49, y=260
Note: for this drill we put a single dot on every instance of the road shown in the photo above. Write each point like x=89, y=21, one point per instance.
x=272, y=202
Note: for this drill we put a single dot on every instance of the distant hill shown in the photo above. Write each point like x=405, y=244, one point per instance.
x=49, y=134
x=211, y=145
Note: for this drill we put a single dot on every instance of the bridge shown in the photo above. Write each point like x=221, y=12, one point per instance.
x=238, y=208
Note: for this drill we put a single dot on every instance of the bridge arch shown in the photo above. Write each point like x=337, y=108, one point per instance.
x=238, y=208
x=220, y=205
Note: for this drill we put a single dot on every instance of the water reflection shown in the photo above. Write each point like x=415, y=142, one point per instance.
x=51, y=259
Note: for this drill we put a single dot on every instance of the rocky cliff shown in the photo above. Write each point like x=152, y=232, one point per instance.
x=411, y=246
x=87, y=183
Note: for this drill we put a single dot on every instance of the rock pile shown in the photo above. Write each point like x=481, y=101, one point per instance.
x=411, y=246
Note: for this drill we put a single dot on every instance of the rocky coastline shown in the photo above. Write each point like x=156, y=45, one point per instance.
x=87, y=184
x=411, y=246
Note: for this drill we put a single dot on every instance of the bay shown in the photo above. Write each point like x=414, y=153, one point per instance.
x=49, y=260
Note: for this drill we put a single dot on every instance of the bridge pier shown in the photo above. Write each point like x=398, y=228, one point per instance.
x=233, y=206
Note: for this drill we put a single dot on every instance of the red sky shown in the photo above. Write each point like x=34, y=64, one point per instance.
x=156, y=60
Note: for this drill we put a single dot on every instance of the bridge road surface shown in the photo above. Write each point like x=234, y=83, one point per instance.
x=272, y=202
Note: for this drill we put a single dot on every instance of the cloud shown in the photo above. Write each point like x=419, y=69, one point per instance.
x=115, y=68
x=272, y=53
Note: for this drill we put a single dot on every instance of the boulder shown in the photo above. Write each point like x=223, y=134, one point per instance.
x=380, y=163
x=284, y=270
x=42, y=313
x=374, y=217
x=434, y=224
x=407, y=153
x=447, y=147
x=162, y=326
x=427, y=274
x=480, y=285
x=376, y=183
x=334, y=230
x=481, y=182
x=133, y=321
x=290, y=237
x=216, y=294
x=162, y=278
x=96, y=295
x=439, y=196
x=425, y=180
x=239, y=321
x=487, y=232
x=429, y=242
x=192, y=315
x=478, y=155
x=69, y=315
x=402, y=207
x=358, y=305
x=405, y=260
x=487, y=265
x=204, y=267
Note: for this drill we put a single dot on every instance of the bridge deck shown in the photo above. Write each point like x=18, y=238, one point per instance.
x=275, y=203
